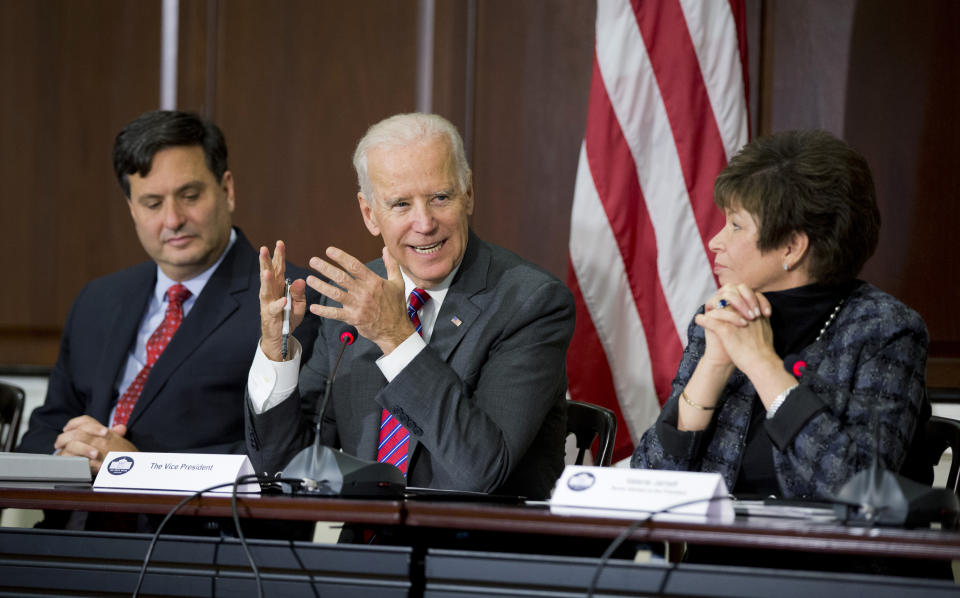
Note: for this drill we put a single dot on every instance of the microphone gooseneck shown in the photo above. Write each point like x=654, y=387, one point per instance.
x=319, y=470
x=348, y=334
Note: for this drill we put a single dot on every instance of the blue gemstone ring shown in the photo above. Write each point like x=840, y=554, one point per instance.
x=722, y=303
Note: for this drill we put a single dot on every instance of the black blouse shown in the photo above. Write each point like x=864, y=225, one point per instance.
x=798, y=315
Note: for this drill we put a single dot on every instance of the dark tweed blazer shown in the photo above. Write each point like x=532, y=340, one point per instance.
x=869, y=364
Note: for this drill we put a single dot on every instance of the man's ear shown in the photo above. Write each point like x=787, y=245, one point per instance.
x=226, y=185
x=369, y=218
x=468, y=199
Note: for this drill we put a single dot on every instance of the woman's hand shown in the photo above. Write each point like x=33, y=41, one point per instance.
x=732, y=311
x=740, y=325
x=738, y=306
x=743, y=341
x=748, y=342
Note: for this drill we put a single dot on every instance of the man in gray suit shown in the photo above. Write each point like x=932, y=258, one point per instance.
x=461, y=386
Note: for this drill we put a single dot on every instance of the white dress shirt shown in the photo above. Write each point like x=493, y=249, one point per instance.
x=153, y=317
x=271, y=382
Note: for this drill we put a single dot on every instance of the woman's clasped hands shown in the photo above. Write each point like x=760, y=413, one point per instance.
x=737, y=326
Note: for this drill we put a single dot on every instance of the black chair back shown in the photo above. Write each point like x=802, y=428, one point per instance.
x=590, y=422
x=943, y=432
x=11, y=410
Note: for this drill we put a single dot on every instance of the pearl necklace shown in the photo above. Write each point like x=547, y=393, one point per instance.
x=829, y=321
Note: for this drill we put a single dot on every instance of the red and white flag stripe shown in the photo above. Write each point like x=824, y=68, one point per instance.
x=667, y=109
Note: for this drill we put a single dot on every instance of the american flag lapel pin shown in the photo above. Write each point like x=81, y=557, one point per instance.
x=456, y=321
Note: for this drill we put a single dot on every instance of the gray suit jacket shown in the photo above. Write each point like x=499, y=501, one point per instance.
x=484, y=402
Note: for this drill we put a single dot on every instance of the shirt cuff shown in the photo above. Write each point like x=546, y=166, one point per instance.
x=792, y=416
x=391, y=365
x=271, y=382
x=679, y=444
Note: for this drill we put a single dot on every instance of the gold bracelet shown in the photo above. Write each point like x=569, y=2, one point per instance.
x=683, y=395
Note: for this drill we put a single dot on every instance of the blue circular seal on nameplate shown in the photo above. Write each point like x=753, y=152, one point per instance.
x=120, y=465
x=581, y=481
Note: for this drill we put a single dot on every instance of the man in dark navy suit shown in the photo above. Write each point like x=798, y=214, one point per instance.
x=155, y=357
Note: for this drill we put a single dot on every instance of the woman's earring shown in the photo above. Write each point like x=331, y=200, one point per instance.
x=786, y=268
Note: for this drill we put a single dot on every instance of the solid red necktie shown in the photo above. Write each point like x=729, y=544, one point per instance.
x=157, y=342
x=394, y=438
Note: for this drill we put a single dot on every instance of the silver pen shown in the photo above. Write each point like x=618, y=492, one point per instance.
x=286, y=322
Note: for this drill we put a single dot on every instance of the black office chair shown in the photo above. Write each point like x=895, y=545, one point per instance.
x=588, y=422
x=943, y=432
x=943, y=394
x=11, y=410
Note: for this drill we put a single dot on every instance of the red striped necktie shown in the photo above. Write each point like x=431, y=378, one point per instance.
x=157, y=342
x=394, y=438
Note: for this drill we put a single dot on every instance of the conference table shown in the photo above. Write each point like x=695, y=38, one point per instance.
x=446, y=548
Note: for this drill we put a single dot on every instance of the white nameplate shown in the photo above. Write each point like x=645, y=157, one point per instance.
x=637, y=493
x=172, y=472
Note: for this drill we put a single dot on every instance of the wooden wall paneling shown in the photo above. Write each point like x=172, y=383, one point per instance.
x=766, y=76
x=534, y=62
x=811, y=47
x=73, y=73
x=196, y=56
x=885, y=76
x=904, y=80
x=450, y=85
x=297, y=85
x=905, y=73
x=755, y=15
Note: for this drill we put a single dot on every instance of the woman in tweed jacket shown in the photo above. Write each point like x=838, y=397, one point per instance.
x=801, y=220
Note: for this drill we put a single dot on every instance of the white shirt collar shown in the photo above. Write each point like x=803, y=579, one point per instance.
x=196, y=283
x=430, y=311
x=438, y=292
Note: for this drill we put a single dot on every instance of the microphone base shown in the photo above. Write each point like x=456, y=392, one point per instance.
x=879, y=497
x=328, y=472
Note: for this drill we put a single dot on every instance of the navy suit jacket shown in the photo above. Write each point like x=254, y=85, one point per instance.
x=193, y=398
x=484, y=401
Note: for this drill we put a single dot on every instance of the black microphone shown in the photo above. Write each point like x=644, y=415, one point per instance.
x=795, y=365
x=348, y=334
x=878, y=496
x=324, y=471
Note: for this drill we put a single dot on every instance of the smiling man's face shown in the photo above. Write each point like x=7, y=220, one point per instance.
x=417, y=208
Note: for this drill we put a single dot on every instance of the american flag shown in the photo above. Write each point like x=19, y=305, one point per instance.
x=667, y=109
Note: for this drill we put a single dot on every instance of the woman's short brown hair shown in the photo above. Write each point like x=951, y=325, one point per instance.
x=810, y=182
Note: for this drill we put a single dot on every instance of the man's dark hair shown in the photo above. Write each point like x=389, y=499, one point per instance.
x=810, y=182
x=139, y=141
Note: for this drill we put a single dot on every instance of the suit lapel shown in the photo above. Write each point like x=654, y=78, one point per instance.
x=459, y=312
x=459, y=306
x=127, y=308
x=366, y=381
x=356, y=386
x=217, y=301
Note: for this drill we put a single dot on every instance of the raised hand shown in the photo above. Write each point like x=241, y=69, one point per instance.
x=375, y=305
x=273, y=299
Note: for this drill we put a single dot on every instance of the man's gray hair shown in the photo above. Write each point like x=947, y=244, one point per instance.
x=402, y=130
